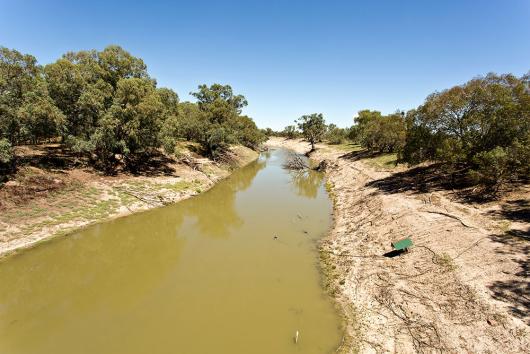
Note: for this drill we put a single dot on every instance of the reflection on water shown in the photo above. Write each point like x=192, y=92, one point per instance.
x=206, y=275
x=215, y=211
x=306, y=182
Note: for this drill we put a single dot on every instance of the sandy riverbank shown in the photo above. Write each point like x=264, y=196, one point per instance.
x=42, y=203
x=464, y=287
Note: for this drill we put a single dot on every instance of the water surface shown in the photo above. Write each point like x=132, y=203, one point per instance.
x=206, y=275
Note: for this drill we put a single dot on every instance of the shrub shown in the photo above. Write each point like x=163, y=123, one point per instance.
x=492, y=168
x=290, y=132
x=335, y=135
x=313, y=128
x=6, y=152
x=483, y=125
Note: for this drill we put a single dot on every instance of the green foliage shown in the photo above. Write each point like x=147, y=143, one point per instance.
x=221, y=122
x=38, y=116
x=335, y=135
x=491, y=167
x=105, y=105
x=268, y=132
x=247, y=132
x=170, y=100
x=83, y=85
x=290, y=132
x=135, y=116
x=27, y=114
x=313, y=127
x=379, y=133
x=366, y=116
x=219, y=101
x=169, y=144
x=354, y=134
x=6, y=152
x=191, y=122
x=217, y=140
x=483, y=124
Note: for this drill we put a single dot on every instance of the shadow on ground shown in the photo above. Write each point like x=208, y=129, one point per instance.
x=153, y=164
x=50, y=157
x=514, y=210
x=423, y=179
x=359, y=155
x=515, y=292
x=58, y=159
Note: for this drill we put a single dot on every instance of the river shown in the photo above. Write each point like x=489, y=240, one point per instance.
x=232, y=270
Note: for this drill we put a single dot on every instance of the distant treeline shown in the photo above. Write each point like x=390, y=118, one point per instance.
x=481, y=128
x=104, y=105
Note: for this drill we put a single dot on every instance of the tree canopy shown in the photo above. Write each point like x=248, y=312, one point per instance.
x=104, y=104
x=482, y=126
x=313, y=127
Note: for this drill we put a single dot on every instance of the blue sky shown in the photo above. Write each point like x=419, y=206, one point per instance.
x=290, y=57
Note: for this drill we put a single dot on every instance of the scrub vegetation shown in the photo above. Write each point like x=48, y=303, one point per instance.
x=477, y=133
x=104, y=105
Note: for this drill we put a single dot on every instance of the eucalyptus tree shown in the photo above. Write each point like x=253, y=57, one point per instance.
x=483, y=125
x=132, y=123
x=38, y=116
x=219, y=101
x=223, y=122
x=83, y=85
x=313, y=128
x=335, y=135
x=290, y=132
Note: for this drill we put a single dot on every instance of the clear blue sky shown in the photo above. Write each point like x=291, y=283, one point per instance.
x=290, y=57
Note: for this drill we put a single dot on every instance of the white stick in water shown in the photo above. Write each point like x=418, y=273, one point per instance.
x=296, y=337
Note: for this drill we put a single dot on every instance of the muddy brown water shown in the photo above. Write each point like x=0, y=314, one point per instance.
x=206, y=275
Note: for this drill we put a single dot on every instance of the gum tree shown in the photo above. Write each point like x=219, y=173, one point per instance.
x=313, y=128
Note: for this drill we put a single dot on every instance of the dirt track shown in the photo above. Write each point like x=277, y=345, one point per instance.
x=464, y=287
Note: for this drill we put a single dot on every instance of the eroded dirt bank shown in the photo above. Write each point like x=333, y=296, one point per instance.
x=464, y=287
x=51, y=197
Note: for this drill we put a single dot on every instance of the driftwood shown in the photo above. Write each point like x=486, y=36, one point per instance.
x=295, y=162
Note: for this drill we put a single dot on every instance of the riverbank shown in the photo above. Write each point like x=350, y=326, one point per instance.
x=50, y=197
x=463, y=287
